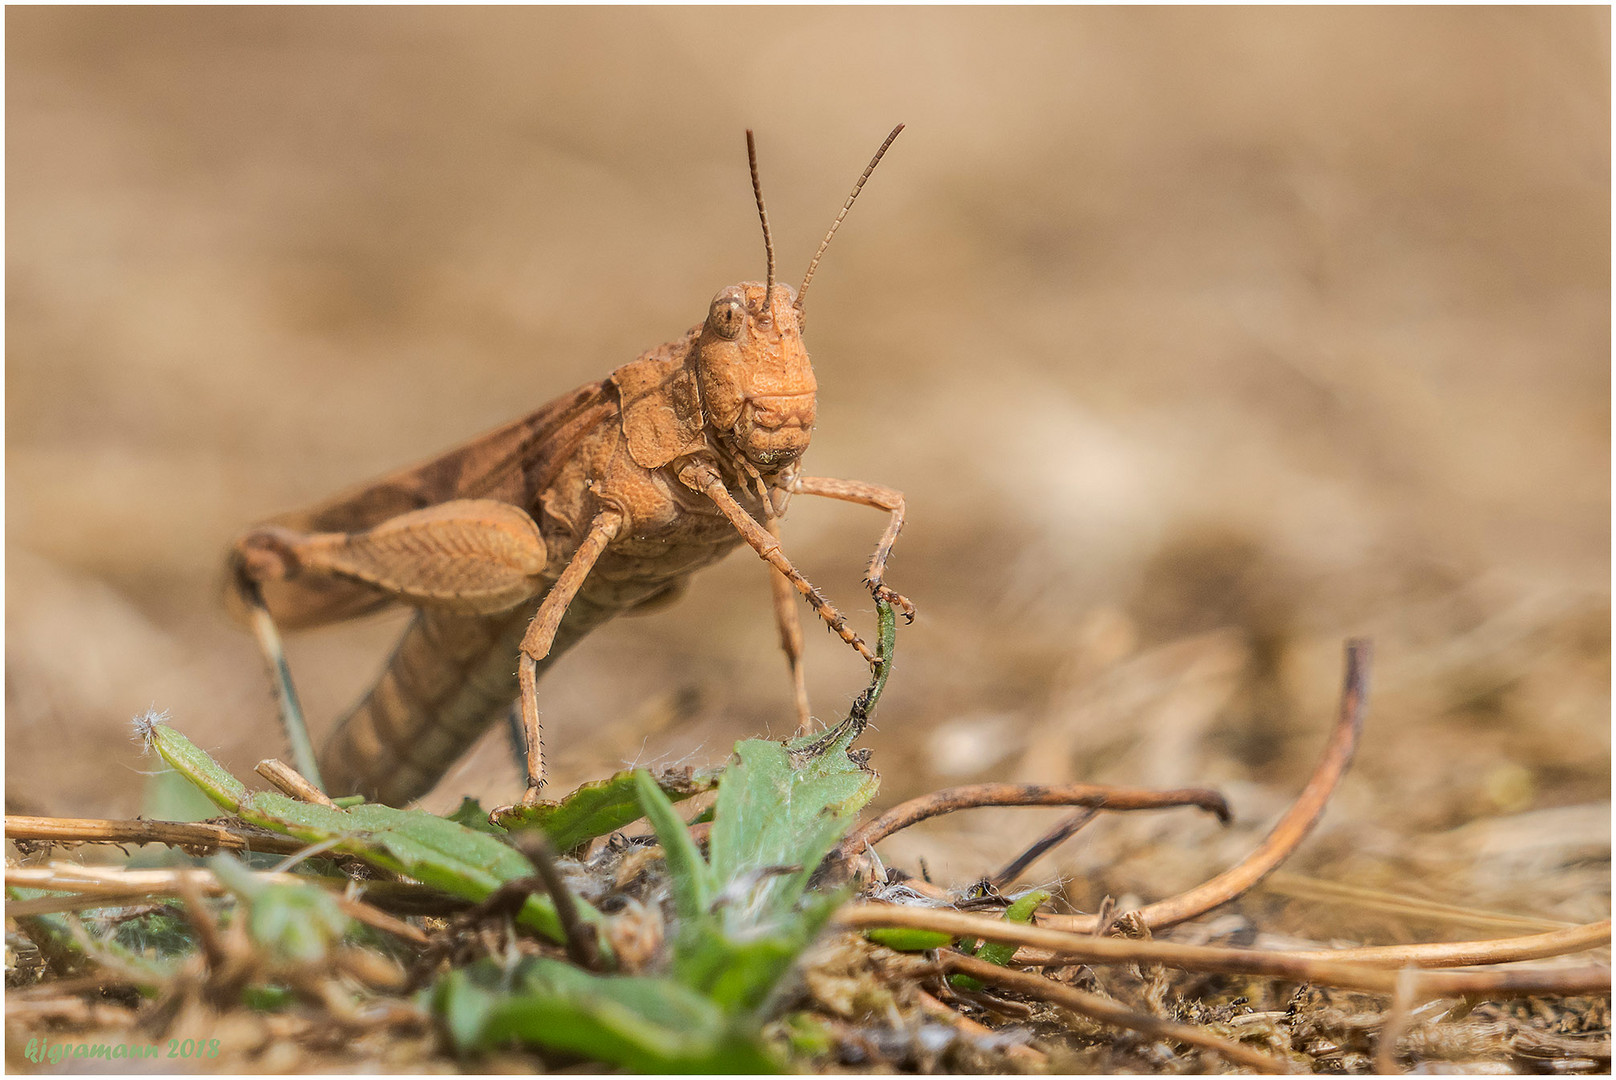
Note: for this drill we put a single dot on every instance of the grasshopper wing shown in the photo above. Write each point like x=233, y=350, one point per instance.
x=512, y=464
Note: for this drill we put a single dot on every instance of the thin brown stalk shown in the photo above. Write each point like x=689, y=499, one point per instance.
x=378, y=919
x=1467, y=953
x=55, y=988
x=1111, y=1012
x=193, y=836
x=202, y=920
x=1098, y=796
x=583, y=948
x=74, y=1012
x=57, y=905
x=1395, y=1024
x=1066, y=947
x=1054, y=837
x=292, y=782
x=1291, y=829
x=92, y=887
x=1362, y=898
x=107, y=881
x=973, y=1030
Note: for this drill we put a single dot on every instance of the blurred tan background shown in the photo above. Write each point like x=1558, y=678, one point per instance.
x=1198, y=339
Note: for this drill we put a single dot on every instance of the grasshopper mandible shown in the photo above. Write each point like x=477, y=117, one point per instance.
x=518, y=543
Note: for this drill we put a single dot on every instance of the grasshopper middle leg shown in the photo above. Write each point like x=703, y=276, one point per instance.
x=541, y=634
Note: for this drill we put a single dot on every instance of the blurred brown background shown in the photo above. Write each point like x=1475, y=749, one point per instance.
x=1198, y=339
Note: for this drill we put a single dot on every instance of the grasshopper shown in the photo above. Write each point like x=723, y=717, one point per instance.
x=521, y=541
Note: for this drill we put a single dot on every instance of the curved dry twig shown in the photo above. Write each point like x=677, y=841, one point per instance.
x=1111, y=1012
x=1098, y=796
x=1063, y=831
x=1064, y=947
x=1287, y=834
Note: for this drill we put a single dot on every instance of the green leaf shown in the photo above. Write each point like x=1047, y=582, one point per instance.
x=780, y=810
x=777, y=816
x=806, y=1034
x=601, y=807
x=908, y=939
x=211, y=778
x=998, y=952
x=293, y=921
x=642, y=1023
x=171, y=797
x=470, y=813
x=435, y=851
x=691, y=876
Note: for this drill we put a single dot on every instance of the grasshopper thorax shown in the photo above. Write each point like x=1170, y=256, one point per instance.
x=757, y=386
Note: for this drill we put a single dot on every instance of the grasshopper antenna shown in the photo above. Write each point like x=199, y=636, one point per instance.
x=763, y=216
x=848, y=205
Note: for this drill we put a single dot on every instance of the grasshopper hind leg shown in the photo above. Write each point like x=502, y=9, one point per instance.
x=290, y=708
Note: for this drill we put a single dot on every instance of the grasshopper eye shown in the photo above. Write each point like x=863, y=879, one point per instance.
x=726, y=317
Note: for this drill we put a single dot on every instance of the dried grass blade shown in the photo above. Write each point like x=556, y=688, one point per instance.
x=1363, y=898
x=1111, y=1012
x=199, y=835
x=1065, y=947
x=1467, y=953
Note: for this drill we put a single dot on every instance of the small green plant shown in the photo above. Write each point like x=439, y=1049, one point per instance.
x=742, y=911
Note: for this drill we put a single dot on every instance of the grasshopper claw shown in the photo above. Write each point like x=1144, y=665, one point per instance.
x=897, y=600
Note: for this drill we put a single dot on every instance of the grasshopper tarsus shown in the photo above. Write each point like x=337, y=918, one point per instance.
x=522, y=541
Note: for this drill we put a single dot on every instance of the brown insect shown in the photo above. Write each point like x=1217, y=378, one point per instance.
x=523, y=540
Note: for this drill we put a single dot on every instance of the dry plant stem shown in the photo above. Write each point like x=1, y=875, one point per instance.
x=56, y=988
x=1058, y=835
x=59, y=905
x=1466, y=953
x=1291, y=829
x=1097, y=796
x=100, y=888
x=1395, y=1023
x=191, y=835
x=207, y=929
x=291, y=782
x=1060, y=947
x=1339, y=892
x=582, y=947
x=971, y=1029
x=378, y=919
x=1110, y=1012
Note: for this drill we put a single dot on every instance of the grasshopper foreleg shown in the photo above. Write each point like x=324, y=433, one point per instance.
x=705, y=479
x=541, y=634
x=881, y=498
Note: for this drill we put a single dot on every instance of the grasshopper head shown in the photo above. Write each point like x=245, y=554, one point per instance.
x=757, y=386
